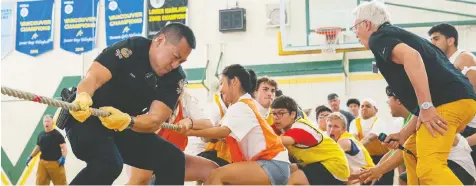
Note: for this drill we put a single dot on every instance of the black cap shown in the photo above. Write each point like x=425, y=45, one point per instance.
x=389, y=91
x=332, y=96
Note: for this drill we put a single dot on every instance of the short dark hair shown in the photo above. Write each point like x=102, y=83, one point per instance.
x=279, y=92
x=332, y=96
x=445, y=29
x=267, y=80
x=175, y=31
x=285, y=102
x=322, y=108
x=247, y=77
x=353, y=101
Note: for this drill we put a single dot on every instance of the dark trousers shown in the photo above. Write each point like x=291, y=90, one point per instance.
x=106, y=151
x=94, y=144
x=151, y=152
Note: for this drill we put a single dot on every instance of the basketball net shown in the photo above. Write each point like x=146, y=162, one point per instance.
x=332, y=38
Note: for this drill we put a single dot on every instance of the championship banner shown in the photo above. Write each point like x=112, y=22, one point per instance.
x=160, y=12
x=34, y=29
x=78, y=25
x=124, y=19
x=7, y=27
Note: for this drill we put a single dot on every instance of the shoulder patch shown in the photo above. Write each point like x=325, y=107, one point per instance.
x=181, y=85
x=118, y=54
x=126, y=52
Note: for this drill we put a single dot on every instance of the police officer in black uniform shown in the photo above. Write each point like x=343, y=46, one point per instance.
x=427, y=84
x=138, y=81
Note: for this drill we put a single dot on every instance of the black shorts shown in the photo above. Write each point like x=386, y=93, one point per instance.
x=212, y=155
x=317, y=174
x=461, y=173
x=147, y=150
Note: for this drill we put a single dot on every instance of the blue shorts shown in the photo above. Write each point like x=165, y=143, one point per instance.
x=278, y=171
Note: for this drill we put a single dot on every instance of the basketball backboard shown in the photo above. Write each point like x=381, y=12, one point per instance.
x=298, y=36
x=305, y=16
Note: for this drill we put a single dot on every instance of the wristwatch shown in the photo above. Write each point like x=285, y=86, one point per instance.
x=131, y=124
x=426, y=105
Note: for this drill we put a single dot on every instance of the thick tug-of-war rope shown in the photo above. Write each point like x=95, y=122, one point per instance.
x=63, y=104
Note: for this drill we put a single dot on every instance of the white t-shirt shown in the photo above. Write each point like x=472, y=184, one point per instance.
x=356, y=162
x=461, y=154
x=396, y=126
x=213, y=111
x=192, y=108
x=245, y=128
x=263, y=111
x=378, y=126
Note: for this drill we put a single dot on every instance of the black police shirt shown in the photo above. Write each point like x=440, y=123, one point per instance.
x=134, y=85
x=49, y=143
x=446, y=83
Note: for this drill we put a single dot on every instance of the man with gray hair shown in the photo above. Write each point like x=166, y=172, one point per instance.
x=427, y=84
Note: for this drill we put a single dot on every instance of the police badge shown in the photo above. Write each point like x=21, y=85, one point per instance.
x=126, y=52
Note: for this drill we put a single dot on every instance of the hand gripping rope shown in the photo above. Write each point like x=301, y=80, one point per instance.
x=63, y=104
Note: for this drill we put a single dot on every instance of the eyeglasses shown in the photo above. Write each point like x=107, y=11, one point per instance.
x=353, y=28
x=279, y=114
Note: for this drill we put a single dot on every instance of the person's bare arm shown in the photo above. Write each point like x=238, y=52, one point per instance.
x=415, y=69
x=369, y=138
x=97, y=76
x=392, y=162
x=471, y=75
x=286, y=140
x=385, y=157
x=64, y=149
x=465, y=59
x=198, y=124
x=471, y=140
x=211, y=133
x=376, y=172
x=159, y=112
x=345, y=144
x=36, y=150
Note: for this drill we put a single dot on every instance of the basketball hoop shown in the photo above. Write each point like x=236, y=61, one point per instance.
x=332, y=37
